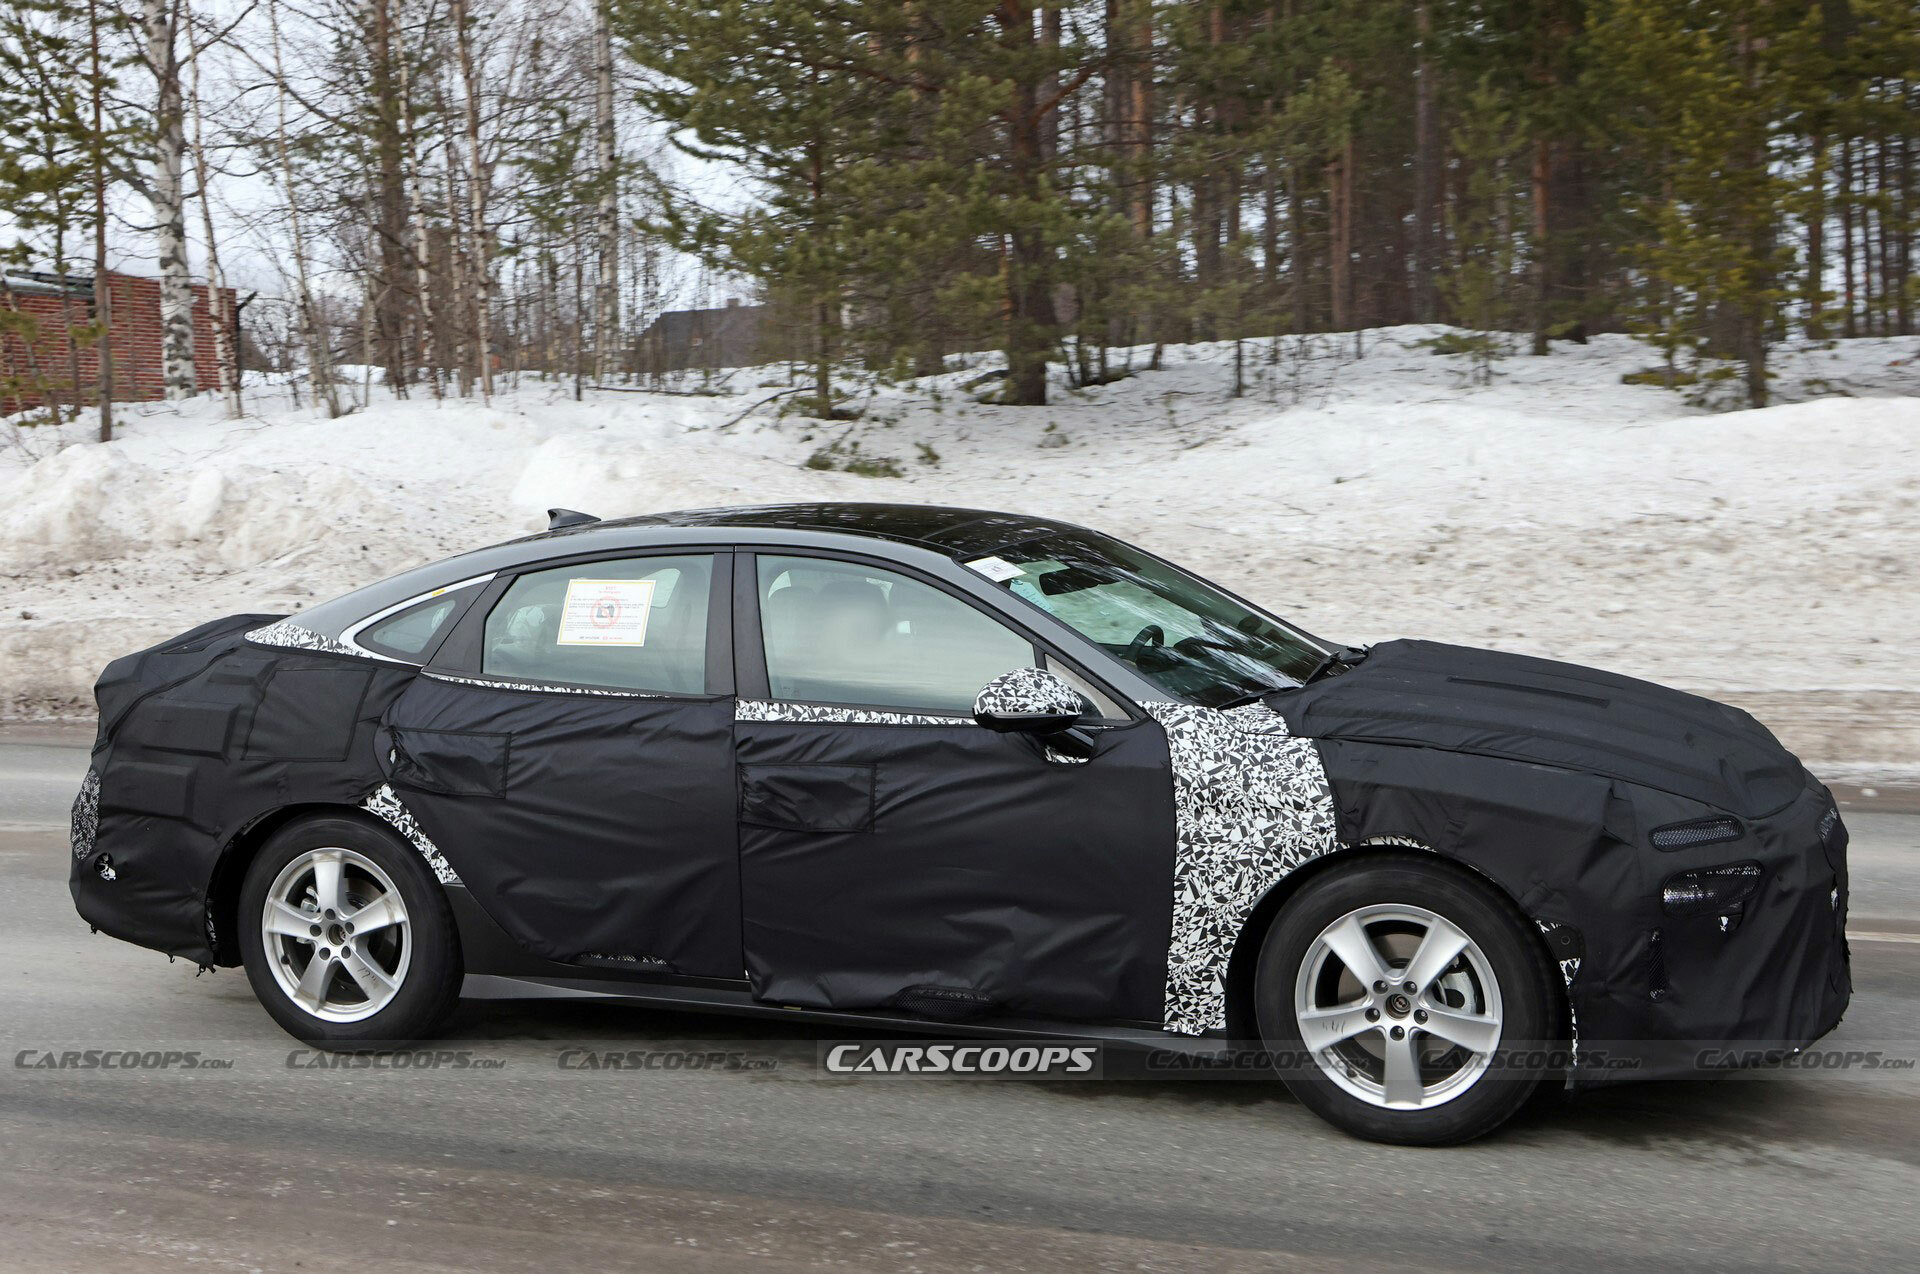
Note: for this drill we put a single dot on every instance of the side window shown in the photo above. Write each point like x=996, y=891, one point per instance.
x=407, y=634
x=839, y=632
x=633, y=624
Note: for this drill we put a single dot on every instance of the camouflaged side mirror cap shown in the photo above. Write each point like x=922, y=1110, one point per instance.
x=1029, y=701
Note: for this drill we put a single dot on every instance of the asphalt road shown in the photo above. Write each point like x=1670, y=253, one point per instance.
x=526, y=1165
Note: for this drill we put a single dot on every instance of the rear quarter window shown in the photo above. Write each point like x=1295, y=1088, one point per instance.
x=410, y=634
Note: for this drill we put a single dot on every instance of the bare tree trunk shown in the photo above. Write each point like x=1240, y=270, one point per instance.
x=1029, y=278
x=319, y=347
x=1340, y=238
x=1847, y=328
x=1142, y=129
x=217, y=307
x=1867, y=292
x=368, y=300
x=161, y=19
x=1426, y=175
x=72, y=388
x=1902, y=203
x=459, y=268
x=389, y=297
x=1270, y=226
x=1905, y=280
x=1542, y=201
x=606, y=319
x=1889, y=276
x=1753, y=307
x=476, y=198
x=102, y=285
x=1816, y=325
x=424, y=344
x=1297, y=245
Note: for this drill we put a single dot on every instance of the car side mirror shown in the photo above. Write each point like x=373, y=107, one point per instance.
x=1028, y=701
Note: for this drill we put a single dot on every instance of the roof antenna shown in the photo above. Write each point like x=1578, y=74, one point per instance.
x=558, y=519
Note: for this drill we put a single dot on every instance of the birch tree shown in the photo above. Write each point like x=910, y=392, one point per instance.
x=217, y=302
x=606, y=319
x=318, y=340
x=476, y=176
x=160, y=21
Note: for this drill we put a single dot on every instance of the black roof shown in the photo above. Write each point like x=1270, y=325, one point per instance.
x=959, y=532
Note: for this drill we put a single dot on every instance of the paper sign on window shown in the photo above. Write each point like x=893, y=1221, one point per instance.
x=606, y=612
x=997, y=569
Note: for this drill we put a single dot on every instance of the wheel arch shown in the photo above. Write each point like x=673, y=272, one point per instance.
x=1244, y=960
x=237, y=855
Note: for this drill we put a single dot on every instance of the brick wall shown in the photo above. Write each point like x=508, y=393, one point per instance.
x=135, y=339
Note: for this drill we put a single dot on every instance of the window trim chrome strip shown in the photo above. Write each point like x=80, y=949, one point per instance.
x=353, y=630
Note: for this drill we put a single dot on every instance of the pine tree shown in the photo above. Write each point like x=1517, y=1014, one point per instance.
x=1477, y=285
x=49, y=146
x=1701, y=97
x=765, y=87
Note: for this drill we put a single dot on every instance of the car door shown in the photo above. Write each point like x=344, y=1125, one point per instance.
x=569, y=750
x=895, y=854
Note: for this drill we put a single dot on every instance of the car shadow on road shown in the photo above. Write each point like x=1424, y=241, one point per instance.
x=1747, y=1119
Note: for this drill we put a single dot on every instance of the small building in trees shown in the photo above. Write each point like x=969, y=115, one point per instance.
x=38, y=364
x=735, y=335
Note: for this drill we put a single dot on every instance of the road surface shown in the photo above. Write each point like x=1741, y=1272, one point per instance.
x=515, y=1162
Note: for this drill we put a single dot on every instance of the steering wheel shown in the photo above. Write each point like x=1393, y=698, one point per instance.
x=1152, y=637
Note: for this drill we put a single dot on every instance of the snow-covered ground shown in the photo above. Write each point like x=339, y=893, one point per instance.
x=1771, y=557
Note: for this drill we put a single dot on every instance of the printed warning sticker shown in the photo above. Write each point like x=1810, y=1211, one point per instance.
x=997, y=569
x=606, y=612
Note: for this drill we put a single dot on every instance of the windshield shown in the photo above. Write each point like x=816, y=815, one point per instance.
x=1174, y=629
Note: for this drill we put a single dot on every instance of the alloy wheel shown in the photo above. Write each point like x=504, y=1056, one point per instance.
x=336, y=934
x=1398, y=1006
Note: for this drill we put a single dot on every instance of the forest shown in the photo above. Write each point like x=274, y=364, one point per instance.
x=442, y=193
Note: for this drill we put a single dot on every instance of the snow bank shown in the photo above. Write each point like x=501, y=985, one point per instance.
x=612, y=476
x=1762, y=556
x=91, y=503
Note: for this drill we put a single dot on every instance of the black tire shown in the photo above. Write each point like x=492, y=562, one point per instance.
x=430, y=987
x=1512, y=954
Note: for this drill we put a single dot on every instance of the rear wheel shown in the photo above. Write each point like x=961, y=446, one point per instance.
x=1407, y=986
x=347, y=937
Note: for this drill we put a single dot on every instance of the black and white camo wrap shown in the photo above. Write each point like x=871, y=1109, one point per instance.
x=85, y=824
x=1251, y=804
x=1027, y=692
x=746, y=710
x=543, y=687
x=385, y=806
x=1569, y=970
x=286, y=633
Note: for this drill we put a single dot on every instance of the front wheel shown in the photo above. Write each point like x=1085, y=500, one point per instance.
x=347, y=937
x=1410, y=1001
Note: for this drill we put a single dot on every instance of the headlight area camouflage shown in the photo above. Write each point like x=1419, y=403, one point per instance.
x=1731, y=940
x=1711, y=891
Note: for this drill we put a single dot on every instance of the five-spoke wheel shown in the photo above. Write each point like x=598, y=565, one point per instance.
x=1398, y=1006
x=346, y=935
x=336, y=929
x=1396, y=984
